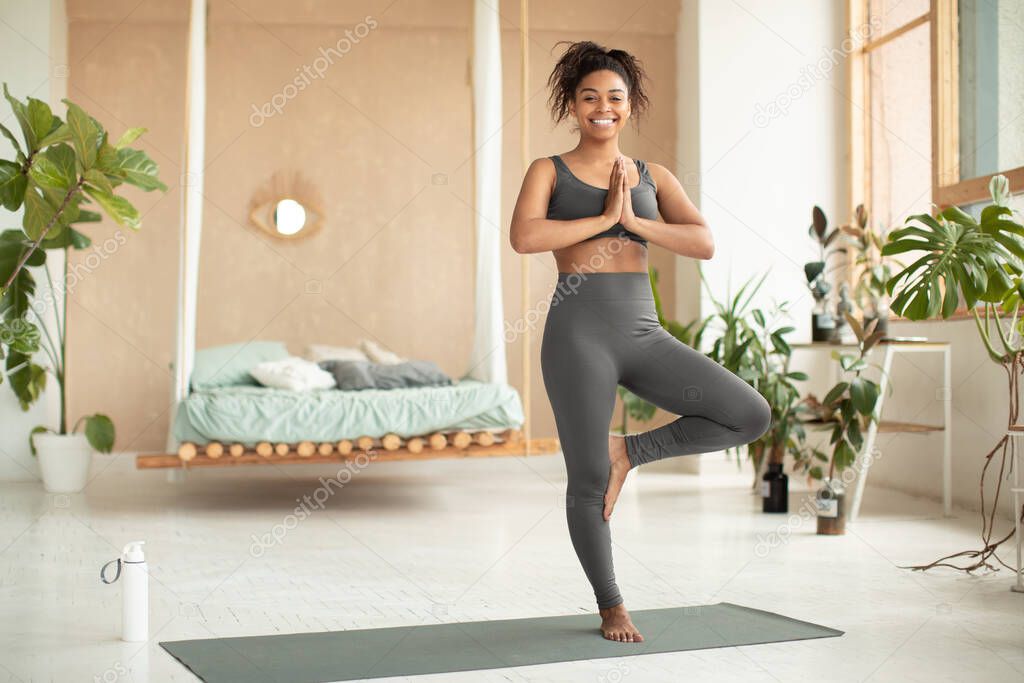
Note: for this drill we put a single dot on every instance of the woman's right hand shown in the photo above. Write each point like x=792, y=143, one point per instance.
x=613, y=202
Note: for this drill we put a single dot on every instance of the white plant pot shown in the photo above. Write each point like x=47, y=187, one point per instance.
x=64, y=461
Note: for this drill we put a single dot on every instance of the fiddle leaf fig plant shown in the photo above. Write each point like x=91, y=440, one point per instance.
x=59, y=167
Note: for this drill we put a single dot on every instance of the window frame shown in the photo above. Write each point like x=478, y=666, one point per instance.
x=948, y=187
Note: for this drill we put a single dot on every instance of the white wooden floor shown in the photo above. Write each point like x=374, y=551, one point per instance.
x=463, y=540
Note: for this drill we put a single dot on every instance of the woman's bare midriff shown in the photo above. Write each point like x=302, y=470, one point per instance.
x=602, y=255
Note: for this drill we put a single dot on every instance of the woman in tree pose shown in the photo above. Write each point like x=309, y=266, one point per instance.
x=596, y=211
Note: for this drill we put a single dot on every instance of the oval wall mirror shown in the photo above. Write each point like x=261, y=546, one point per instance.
x=287, y=207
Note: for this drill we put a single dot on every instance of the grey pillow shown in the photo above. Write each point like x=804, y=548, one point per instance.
x=354, y=375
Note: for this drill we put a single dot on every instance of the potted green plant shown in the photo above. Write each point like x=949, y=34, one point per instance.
x=58, y=167
x=823, y=324
x=752, y=344
x=873, y=269
x=979, y=262
x=849, y=407
x=769, y=373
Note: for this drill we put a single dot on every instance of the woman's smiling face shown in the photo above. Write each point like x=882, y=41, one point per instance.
x=601, y=106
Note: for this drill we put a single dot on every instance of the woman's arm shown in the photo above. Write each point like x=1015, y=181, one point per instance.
x=531, y=231
x=684, y=231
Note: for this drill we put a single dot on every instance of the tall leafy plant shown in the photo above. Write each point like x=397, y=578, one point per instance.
x=751, y=342
x=59, y=167
x=770, y=355
x=979, y=262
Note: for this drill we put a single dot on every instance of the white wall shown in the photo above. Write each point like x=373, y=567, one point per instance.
x=761, y=174
x=33, y=52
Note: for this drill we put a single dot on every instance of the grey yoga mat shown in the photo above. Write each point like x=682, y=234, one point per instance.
x=465, y=646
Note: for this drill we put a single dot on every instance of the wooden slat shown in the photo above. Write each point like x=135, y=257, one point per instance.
x=535, y=447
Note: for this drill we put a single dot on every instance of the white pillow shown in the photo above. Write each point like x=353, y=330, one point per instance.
x=292, y=373
x=319, y=352
x=378, y=354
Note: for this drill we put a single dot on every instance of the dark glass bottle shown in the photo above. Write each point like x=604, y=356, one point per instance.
x=775, y=489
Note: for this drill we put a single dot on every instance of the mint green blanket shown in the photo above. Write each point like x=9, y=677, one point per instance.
x=248, y=414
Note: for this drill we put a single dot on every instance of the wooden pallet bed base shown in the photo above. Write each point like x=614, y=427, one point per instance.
x=389, y=447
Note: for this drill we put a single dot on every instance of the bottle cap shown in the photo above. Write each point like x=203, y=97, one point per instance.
x=133, y=552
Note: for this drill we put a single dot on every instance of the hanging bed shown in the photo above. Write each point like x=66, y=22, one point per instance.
x=240, y=422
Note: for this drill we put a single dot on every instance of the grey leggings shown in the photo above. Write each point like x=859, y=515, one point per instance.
x=602, y=330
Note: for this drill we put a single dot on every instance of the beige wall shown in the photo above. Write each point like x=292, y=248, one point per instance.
x=394, y=261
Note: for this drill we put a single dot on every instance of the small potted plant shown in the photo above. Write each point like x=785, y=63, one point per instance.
x=823, y=324
x=61, y=166
x=849, y=407
x=869, y=291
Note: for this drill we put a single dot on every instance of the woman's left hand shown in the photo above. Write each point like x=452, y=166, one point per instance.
x=627, y=218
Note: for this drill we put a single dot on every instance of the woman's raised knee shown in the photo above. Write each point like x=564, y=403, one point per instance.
x=755, y=417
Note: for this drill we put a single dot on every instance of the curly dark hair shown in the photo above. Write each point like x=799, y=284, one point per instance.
x=584, y=57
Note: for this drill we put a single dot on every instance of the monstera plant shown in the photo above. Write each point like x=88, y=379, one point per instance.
x=58, y=168
x=978, y=261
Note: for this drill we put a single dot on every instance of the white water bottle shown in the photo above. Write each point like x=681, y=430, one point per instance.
x=134, y=592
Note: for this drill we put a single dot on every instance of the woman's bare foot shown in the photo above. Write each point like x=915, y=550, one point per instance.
x=617, y=472
x=616, y=625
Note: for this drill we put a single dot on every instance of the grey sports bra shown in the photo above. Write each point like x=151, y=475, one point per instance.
x=572, y=199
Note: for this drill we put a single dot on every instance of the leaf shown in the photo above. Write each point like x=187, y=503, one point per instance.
x=24, y=120
x=819, y=222
x=128, y=137
x=60, y=134
x=85, y=134
x=118, y=208
x=10, y=136
x=864, y=394
x=41, y=119
x=35, y=430
x=843, y=456
x=41, y=210
x=138, y=169
x=873, y=339
x=835, y=393
x=999, y=188
x=28, y=381
x=12, y=185
x=20, y=335
x=955, y=213
x=799, y=376
x=97, y=179
x=37, y=213
x=813, y=269
x=99, y=430
x=68, y=237
x=55, y=168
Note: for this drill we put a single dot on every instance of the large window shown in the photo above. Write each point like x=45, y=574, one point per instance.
x=937, y=104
